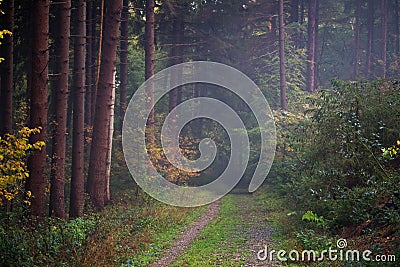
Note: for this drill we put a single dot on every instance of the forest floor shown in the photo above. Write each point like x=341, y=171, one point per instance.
x=229, y=233
x=188, y=236
x=232, y=232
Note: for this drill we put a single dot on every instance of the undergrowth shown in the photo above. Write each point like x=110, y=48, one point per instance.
x=130, y=228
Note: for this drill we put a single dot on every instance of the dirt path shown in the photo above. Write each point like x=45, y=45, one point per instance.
x=188, y=236
x=252, y=228
x=255, y=230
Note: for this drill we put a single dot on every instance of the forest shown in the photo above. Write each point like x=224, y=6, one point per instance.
x=318, y=105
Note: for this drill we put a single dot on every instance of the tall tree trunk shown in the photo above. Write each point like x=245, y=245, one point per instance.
x=301, y=21
x=149, y=57
x=89, y=61
x=294, y=18
x=78, y=96
x=357, y=26
x=180, y=31
x=60, y=90
x=94, y=18
x=107, y=196
x=311, y=45
x=96, y=186
x=370, y=41
x=294, y=11
x=282, y=56
x=94, y=61
x=38, y=103
x=175, y=95
x=123, y=67
x=6, y=68
x=397, y=28
x=383, y=37
x=99, y=57
x=317, y=54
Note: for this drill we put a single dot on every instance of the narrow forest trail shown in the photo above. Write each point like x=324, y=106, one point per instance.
x=243, y=231
x=188, y=236
x=255, y=230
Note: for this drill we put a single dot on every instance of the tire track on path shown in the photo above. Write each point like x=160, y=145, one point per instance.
x=188, y=236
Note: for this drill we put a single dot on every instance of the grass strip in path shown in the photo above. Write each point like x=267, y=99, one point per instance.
x=233, y=238
x=187, y=236
x=218, y=244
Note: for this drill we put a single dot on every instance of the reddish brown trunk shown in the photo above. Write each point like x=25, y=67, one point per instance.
x=370, y=44
x=397, y=28
x=78, y=95
x=99, y=57
x=6, y=68
x=311, y=45
x=282, y=56
x=123, y=67
x=175, y=95
x=60, y=90
x=38, y=103
x=316, y=47
x=99, y=149
x=301, y=21
x=149, y=56
x=294, y=11
x=383, y=37
x=89, y=62
x=357, y=37
x=96, y=13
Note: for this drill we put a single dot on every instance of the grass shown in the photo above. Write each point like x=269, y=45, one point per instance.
x=291, y=233
x=217, y=244
x=132, y=231
x=134, y=235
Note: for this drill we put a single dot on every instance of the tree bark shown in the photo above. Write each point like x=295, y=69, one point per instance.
x=282, y=56
x=78, y=96
x=107, y=196
x=60, y=90
x=175, y=95
x=357, y=26
x=94, y=62
x=99, y=50
x=317, y=54
x=311, y=45
x=383, y=37
x=96, y=185
x=370, y=41
x=294, y=11
x=6, y=68
x=397, y=29
x=89, y=62
x=301, y=22
x=149, y=57
x=38, y=104
x=123, y=67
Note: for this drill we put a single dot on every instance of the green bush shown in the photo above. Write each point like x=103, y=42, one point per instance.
x=48, y=243
x=337, y=162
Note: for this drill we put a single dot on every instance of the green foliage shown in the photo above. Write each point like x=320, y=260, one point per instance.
x=343, y=164
x=308, y=239
x=268, y=78
x=132, y=229
x=312, y=217
x=391, y=152
x=49, y=243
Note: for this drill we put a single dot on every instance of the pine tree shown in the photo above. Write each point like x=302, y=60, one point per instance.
x=96, y=184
